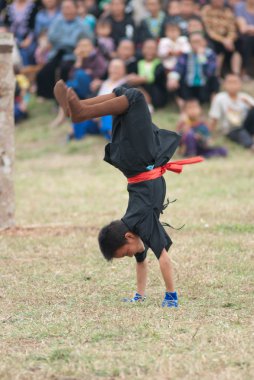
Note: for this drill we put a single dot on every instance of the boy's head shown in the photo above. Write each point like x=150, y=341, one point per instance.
x=116, y=69
x=50, y=4
x=153, y=7
x=117, y=8
x=197, y=41
x=193, y=109
x=172, y=31
x=84, y=48
x=103, y=28
x=174, y=8
x=69, y=10
x=149, y=50
x=126, y=50
x=232, y=84
x=81, y=8
x=116, y=241
x=195, y=25
x=187, y=8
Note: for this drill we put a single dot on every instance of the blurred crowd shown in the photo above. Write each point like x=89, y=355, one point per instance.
x=173, y=51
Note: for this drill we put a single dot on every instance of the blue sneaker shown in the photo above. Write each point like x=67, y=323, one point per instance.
x=137, y=298
x=170, y=300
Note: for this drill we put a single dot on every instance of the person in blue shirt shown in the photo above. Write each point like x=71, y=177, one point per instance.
x=46, y=16
x=64, y=33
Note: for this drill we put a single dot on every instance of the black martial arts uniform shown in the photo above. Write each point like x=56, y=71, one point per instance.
x=137, y=146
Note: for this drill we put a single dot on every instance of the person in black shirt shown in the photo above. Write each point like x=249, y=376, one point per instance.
x=137, y=146
x=122, y=24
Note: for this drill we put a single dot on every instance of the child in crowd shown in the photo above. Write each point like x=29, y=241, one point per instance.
x=194, y=75
x=152, y=25
x=90, y=64
x=88, y=19
x=126, y=52
x=151, y=77
x=195, y=25
x=196, y=136
x=21, y=98
x=188, y=10
x=233, y=110
x=104, y=40
x=171, y=46
x=143, y=161
x=173, y=15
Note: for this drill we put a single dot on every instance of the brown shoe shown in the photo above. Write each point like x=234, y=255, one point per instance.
x=76, y=110
x=60, y=92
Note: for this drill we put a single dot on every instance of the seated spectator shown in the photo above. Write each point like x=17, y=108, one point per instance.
x=45, y=16
x=90, y=64
x=88, y=19
x=220, y=27
x=244, y=13
x=102, y=126
x=122, y=24
x=92, y=7
x=151, y=26
x=188, y=10
x=64, y=33
x=233, y=110
x=104, y=40
x=21, y=97
x=171, y=46
x=20, y=19
x=151, y=76
x=173, y=15
x=195, y=24
x=196, y=136
x=126, y=52
x=194, y=75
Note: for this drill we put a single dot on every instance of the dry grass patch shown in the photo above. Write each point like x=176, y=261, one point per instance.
x=61, y=312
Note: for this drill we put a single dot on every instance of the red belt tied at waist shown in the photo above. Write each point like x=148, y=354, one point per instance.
x=173, y=166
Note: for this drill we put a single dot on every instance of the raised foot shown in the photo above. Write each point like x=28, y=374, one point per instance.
x=60, y=92
x=77, y=111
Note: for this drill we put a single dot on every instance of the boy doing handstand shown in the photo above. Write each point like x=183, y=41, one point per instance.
x=141, y=151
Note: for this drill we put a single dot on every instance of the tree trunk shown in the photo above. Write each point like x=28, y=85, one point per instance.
x=7, y=148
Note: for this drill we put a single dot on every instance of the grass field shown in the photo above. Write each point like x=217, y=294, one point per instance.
x=61, y=315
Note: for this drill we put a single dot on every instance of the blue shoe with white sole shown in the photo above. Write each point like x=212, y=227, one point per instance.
x=137, y=298
x=170, y=300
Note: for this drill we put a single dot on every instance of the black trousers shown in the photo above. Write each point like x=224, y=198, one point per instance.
x=201, y=93
x=47, y=76
x=247, y=49
x=244, y=135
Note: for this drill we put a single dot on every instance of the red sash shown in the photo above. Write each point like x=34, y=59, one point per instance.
x=173, y=166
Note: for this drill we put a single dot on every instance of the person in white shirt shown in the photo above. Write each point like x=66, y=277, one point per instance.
x=173, y=45
x=233, y=110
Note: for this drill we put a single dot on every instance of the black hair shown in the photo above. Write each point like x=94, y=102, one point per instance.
x=103, y=22
x=172, y=24
x=111, y=238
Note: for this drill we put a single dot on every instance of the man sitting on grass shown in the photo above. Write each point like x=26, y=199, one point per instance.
x=141, y=152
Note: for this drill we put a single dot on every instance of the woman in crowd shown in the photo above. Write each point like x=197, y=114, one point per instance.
x=20, y=20
x=63, y=35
